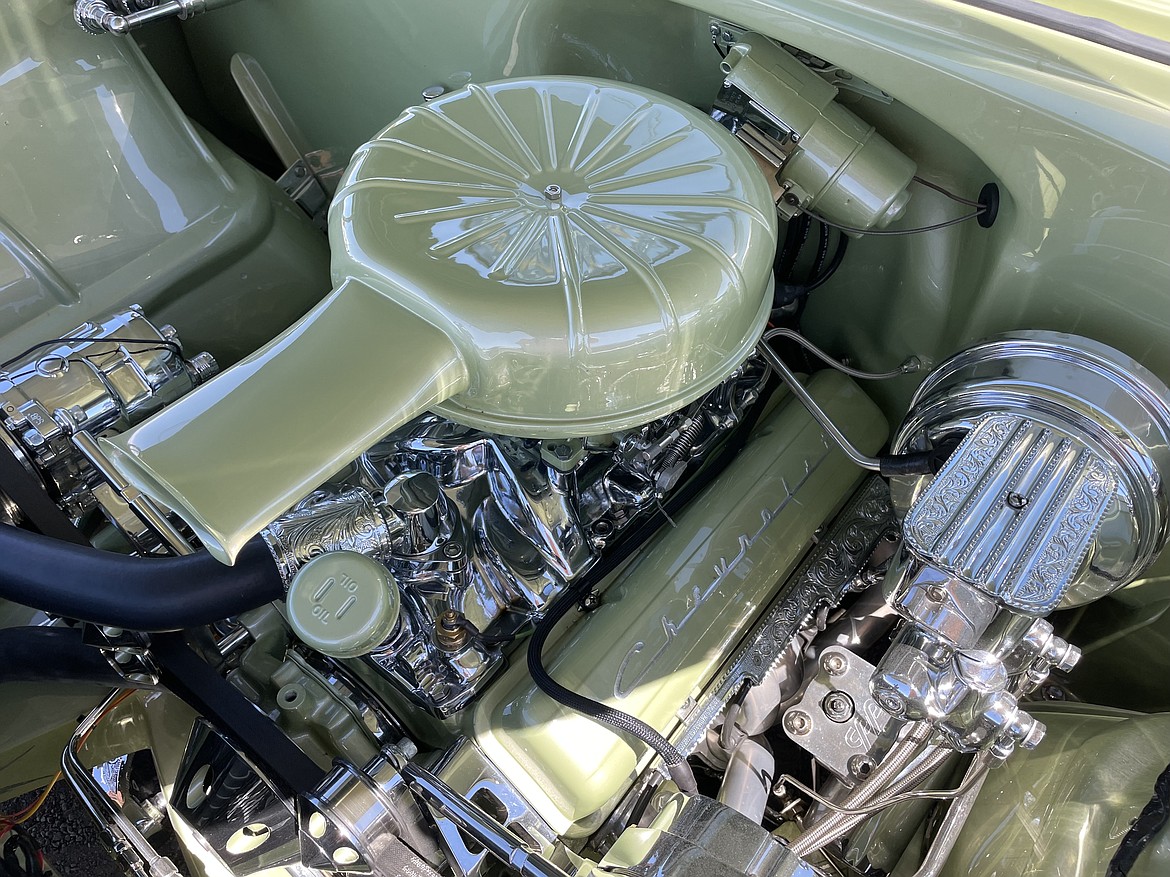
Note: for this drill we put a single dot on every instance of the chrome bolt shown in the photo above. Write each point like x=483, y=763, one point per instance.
x=590, y=602
x=834, y=664
x=837, y=706
x=860, y=766
x=433, y=91
x=553, y=192
x=798, y=722
x=936, y=594
x=1016, y=501
x=452, y=550
x=889, y=701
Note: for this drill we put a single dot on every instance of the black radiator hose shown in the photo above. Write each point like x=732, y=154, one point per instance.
x=136, y=593
x=54, y=654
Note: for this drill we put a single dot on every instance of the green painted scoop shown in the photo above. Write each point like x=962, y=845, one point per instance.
x=549, y=257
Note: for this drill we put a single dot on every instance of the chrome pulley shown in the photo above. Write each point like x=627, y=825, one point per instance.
x=1054, y=497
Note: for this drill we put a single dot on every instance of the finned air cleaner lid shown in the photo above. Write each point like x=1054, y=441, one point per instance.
x=599, y=253
x=544, y=257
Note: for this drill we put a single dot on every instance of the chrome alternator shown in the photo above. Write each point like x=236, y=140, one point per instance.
x=105, y=375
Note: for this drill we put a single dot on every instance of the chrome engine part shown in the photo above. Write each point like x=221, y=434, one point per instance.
x=546, y=334
x=102, y=376
x=481, y=531
x=1055, y=497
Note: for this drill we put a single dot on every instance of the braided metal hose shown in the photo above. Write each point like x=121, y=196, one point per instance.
x=878, y=783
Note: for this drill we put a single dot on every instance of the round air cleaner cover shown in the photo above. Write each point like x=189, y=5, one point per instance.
x=599, y=254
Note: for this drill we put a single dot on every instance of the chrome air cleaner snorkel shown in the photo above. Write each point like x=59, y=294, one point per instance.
x=1055, y=497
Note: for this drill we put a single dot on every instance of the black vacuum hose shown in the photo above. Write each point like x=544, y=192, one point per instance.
x=136, y=593
x=54, y=654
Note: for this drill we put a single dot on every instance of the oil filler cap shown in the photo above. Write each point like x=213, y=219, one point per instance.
x=343, y=604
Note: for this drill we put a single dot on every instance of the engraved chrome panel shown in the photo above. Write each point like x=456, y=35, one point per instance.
x=830, y=571
x=1103, y=401
x=1014, y=511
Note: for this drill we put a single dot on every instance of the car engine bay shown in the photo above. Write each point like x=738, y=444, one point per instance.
x=540, y=537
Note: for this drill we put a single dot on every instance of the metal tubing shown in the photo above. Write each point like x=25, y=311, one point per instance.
x=773, y=359
x=747, y=783
x=952, y=824
x=910, y=366
x=836, y=825
x=147, y=509
x=495, y=837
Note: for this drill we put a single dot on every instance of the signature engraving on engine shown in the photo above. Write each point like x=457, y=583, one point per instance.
x=699, y=596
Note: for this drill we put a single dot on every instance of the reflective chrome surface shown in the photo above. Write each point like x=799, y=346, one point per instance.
x=136, y=853
x=104, y=375
x=1084, y=390
x=482, y=531
x=836, y=719
x=1014, y=512
x=699, y=837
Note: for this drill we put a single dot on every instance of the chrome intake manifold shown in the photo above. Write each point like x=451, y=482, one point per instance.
x=481, y=532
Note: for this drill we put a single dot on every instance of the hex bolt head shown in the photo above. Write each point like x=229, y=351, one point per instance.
x=838, y=707
x=1034, y=735
x=1069, y=659
x=798, y=722
x=834, y=664
x=860, y=766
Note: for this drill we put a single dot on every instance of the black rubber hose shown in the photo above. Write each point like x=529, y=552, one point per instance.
x=787, y=293
x=54, y=654
x=838, y=257
x=680, y=771
x=136, y=593
x=822, y=251
x=928, y=462
x=786, y=257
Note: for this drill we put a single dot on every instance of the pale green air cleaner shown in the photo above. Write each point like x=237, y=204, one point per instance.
x=539, y=257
